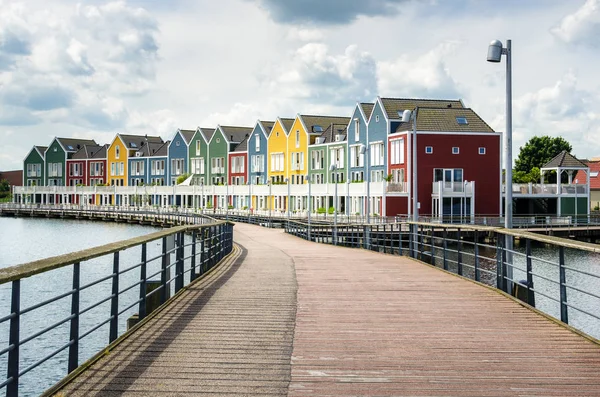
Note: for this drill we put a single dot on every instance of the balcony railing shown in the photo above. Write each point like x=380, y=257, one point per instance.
x=547, y=189
x=453, y=187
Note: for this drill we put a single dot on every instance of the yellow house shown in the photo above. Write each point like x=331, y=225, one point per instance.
x=277, y=150
x=304, y=132
x=120, y=150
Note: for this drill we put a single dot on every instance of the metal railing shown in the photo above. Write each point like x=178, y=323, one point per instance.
x=560, y=277
x=193, y=255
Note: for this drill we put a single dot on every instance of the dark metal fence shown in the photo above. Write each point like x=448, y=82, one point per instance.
x=196, y=249
x=558, y=276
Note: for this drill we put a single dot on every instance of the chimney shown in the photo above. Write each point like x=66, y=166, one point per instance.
x=78, y=146
x=231, y=138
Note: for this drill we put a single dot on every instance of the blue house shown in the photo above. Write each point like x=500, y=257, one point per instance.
x=148, y=166
x=257, y=152
x=179, y=154
x=357, y=137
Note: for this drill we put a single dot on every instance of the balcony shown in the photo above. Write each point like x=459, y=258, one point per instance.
x=450, y=189
x=396, y=187
x=547, y=190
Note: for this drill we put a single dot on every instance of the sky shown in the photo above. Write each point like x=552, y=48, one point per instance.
x=92, y=69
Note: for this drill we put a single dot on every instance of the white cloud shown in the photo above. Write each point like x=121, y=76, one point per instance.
x=305, y=34
x=425, y=76
x=581, y=27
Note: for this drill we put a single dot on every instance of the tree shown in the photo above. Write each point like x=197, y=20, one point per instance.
x=539, y=150
x=182, y=178
x=4, y=188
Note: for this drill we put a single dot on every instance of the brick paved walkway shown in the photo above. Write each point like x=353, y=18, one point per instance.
x=365, y=324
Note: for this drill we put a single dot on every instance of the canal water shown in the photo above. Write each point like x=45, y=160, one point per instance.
x=26, y=239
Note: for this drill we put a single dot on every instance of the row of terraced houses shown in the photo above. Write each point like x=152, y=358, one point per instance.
x=457, y=159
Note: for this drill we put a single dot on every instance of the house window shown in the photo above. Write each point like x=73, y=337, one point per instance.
x=297, y=139
x=117, y=151
x=177, y=143
x=397, y=151
x=377, y=154
x=455, y=150
x=55, y=149
x=356, y=158
x=481, y=150
x=257, y=142
x=277, y=162
x=198, y=165
x=377, y=118
x=356, y=130
x=429, y=149
x=218, y=140
x=198, y=148
x=462, y=120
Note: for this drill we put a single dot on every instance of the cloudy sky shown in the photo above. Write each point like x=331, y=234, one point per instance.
x=94, y=68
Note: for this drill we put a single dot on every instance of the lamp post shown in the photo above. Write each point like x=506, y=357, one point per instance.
x=495, y=52
x=348, y=199
x=309, y=204
x=202, y=197
x=226, y=201
x=270, y=203
x=287, y=181
x=249, y=203
x=333, y=168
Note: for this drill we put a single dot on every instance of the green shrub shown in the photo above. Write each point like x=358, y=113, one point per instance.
x=331, y=210
x=245, y=207
x=230, y=207
x=321, y=210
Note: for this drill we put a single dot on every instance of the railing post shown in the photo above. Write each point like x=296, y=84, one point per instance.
x=432, y=246
x=530, y=294
x=12, y=389
x=114, y=302
x=476, y=256
x=142, y=308
x=564, y=314
x=163, y=273
x=400, y=239
x=420, y=239
x=193, y=268
x=74, y=331
x=459, y=264
x=500, y=258
x=202, y=255
x=445, y=242
x=411, y=242
x=179, y=262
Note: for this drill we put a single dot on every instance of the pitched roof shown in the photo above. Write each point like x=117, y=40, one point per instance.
x=242, y=146
x=161, y=150
x=367, y=108
x=207, y=133
x=287, y=123
x=394, y=105
x=235, y=134
x=564, y=160
x=86, y=152
x=187, y=135
x=580, y=179
x=332, y=131
x=446, y=120
x=313, y=123
x=149, y=149
x=41, y=149
x=136, y=141
x=100, y=153
x=72, y=145
x=267, y=125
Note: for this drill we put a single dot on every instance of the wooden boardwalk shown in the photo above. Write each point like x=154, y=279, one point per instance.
x=290, y=317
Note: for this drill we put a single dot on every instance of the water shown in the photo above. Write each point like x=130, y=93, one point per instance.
x=27, y=239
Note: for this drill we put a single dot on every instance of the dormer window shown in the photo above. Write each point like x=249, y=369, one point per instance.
x=461, y=120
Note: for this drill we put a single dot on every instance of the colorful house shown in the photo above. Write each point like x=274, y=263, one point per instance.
x=33, y=167
x=304, y=132
x=257, y=152
x=329, y=148
x=198, y=154
x=357, y=137
x=78, y=165
x=120, y=150
x=238, y=160
x=277, y=150
x=179, y=154
x=97, y=166
x=149, y=165
x=56, y=156
x=223, y=141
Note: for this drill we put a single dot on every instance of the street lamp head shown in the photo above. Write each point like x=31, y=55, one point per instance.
x=362, y=149
x=406, y=116
x=286, y=180
x=495, y=51
x=332, y=167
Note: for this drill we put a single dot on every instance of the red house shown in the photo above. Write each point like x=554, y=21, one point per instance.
x=458, y=164
x=87, y=166
x=238, y=171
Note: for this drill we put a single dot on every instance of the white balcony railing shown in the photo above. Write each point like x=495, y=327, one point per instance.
x=448, y=188
x=531, y=189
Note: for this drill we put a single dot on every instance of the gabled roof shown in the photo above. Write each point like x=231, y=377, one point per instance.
x=149, y=149
x=367, y=108
x=242, y=146
x=86, y=152
x=446, y=120
x=72, y=145
x=565, y=160
x=207, y=133
x=161, y=150
x=136, y=141
x=287, y=124
x=394, y=105
x=266, y=127
x=235, y=134
x=41, y=150
x=319, y=124
x=332, y=131
x=187, y=135
x=100, y=153
x=594, y=175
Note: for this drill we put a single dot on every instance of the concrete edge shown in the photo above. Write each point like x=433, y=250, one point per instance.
x=56, y=388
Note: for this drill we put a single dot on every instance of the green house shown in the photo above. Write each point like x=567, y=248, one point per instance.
x=331, y=147
x=223, y=141
x=198, y=155
x=33, y=167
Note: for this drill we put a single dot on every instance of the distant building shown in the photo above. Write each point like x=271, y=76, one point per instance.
x=14, y=178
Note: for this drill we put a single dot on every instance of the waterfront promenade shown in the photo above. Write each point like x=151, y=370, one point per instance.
x=289, y=317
